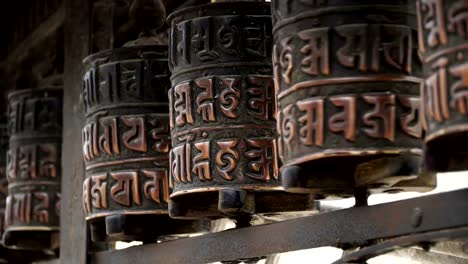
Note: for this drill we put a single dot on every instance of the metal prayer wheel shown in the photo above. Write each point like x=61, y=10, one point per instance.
x=126, y=145
x=442, y=27
x=3, y=178
x=347, y=83
x=222, y=113
x=32, y=216
x=8, y=255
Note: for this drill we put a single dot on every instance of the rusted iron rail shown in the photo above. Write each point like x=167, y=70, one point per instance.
x=355, y=227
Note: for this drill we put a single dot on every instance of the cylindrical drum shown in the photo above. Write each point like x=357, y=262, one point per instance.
x=443, y=28
x=16, y=255
x=347, y=83
x=3, y=178
x=34, y=168
x=222, y=113
x=126, y=145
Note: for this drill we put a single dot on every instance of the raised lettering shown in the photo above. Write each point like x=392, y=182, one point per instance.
x=226, y=159
x=311, y=132
x=125, y=191
x=201, y=162
x=205, y=99
x=344, y=121
x=229, y=97
x=384, y=110
x=262, y=101
x=135, y=138
x=315, y=52
x=152, y=188
x=182, y=104
x=263, y=165
x=98, y=191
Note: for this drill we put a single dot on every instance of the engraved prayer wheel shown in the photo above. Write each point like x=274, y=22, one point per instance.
x=222, y=113
x=3, y=178
x=347, y=83
x=34, y=169
x=126, y=145
x=442, y=27
x=8, y=255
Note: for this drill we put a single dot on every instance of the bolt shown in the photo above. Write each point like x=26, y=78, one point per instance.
x=416, y=217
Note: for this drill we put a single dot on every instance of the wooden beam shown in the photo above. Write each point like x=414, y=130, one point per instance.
x=73, y=239
x=45, y=29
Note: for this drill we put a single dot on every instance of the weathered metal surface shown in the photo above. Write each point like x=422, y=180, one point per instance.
x=222, y=112
x=126, y=145
x=348, y=77
x=442, y=43
x=345, y=228
x=404, y=241
x=34, y=169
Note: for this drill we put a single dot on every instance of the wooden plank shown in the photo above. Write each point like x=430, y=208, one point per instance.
x=73, y=228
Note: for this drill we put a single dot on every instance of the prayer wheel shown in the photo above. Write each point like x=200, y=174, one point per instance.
x=32, y=215
x=222, y=113
x=8, y=255
x=126, y=146
x=442, y=27
x=3, y=179
x=347, y=85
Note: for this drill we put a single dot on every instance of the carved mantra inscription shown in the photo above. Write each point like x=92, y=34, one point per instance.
x=126, y=82
x=216, y=100
x=217, y=39
x=309, y=122
x=34, y=114
x=33, y=161
x=33, y=165
x=366, y=52
x=126, y=138
x=443, y=27
x=102, y=191
x=228, y=162
x=202, y=110
x=32, y=208
x=127, y=135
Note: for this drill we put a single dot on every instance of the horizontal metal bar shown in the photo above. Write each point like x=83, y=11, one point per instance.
x=349, y=227
x=403, y=241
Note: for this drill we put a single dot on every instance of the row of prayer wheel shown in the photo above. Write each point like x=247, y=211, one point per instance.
x=252, y=109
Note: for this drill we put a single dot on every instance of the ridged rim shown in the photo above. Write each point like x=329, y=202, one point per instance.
x=33, y=91
x=132, y=52
x=245, y=8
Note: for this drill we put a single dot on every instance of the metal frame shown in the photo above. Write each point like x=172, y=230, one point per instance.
x=377, y=229
x=368, y=230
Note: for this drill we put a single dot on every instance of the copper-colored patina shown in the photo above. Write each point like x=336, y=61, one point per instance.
x=34, y=169
x=126, y=145
x=347, y=84
x=442, y=27
x=222, y=113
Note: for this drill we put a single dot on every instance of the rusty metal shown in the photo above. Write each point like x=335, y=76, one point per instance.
x=224, y=156
x=32, y=216
x=442, y=43
x=126, y=145
x=348, y=78
x=355, y=227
